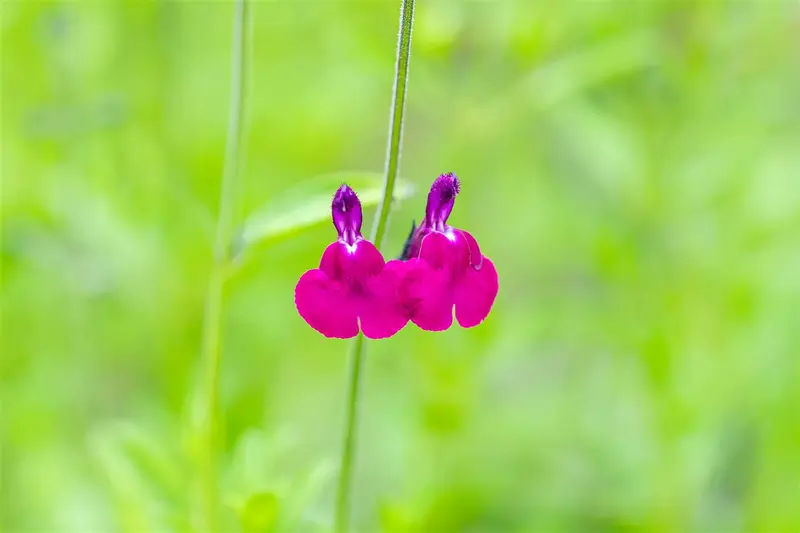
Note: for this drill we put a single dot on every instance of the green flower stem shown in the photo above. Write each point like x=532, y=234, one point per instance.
x=206, y=412
x=341, y=521
x=395, y=120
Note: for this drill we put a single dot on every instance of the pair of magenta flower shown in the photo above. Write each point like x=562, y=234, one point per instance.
x=441, y=268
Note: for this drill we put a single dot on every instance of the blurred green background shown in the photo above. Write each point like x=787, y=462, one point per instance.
x=631, y=167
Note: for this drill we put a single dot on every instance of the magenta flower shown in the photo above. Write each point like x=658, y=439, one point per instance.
x=446, y=268
x=353, y=283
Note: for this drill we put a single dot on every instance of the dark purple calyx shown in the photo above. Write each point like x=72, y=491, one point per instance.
x=346, y=212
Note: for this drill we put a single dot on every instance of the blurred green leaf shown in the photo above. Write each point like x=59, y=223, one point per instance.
x=395, y=519
x=259, y=513
x=559, y=80
x=258, y=467
x=308, y=204
x=141, y=472
x=308, y=490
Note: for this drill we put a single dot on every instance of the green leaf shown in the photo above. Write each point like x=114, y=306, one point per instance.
x=308, y=204
x=394, y=519
x=259, y=513
x=143, y=475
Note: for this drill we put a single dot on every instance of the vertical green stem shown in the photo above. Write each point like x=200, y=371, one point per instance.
x=233, y=156
x=206, y=410
x=348, y=445
x=394, y=146
x=341, y=521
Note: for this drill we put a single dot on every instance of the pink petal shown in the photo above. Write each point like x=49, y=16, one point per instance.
x=445, y=251
x=435, y=250
x=358, y=261
x=475, y=293
x=427, y=294
x=323, y=303
x=382, y=312
x=475, y=255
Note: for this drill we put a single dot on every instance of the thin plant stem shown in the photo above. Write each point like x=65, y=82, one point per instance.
x=356, y=363
x=207, y=413
x=395, y=143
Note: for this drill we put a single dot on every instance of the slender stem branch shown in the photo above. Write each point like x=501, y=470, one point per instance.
x=378, y=230
x=394, y=147
x=356, y=363
x=233, y=151
x=207, y=412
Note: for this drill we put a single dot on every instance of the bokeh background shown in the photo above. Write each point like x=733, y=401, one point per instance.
x=632, y=167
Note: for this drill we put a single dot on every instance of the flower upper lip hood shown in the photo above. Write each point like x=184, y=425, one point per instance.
x=446, y=268
x=441, y=200
x=353, y=286
x=346, y=214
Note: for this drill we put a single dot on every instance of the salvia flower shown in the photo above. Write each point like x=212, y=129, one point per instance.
x=353, y=284
x=445, y=267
